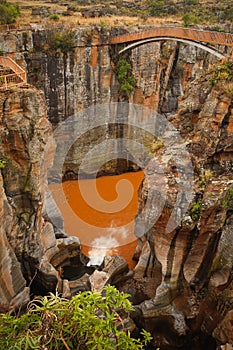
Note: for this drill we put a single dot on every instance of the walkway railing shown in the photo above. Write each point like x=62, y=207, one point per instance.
x=16, y=78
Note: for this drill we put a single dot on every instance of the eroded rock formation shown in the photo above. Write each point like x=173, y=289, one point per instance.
x=182, y=284
x=13, y=290
x=33, y=251
x=81, y=75
x=190, y=266
x=25, y=235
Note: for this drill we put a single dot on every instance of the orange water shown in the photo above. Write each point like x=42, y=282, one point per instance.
x=101, y=212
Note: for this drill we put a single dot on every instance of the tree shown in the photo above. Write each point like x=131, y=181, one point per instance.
x=8, y=12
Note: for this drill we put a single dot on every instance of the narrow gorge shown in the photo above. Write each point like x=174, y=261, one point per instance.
x=87, y=112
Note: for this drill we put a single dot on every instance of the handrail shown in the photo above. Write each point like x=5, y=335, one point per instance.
x=16, y=78
x=11, y=80
x=9, y=63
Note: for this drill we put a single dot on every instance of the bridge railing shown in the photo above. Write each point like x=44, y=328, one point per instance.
x=9, y=63
x=16, y=78
x=12, y=80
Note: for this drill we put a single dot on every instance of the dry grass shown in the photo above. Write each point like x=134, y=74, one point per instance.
x=26, y=18
x=77, y=19
x=126, y=20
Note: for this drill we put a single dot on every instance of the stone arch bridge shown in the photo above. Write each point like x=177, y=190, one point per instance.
x=196, y=37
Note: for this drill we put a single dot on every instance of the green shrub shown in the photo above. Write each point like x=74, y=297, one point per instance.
x=89, y=320
x=224, y=72
x=195, y=211
x=156, y=145
x=189, y=19
x=3, y=161
x=228, y=200
x=103, y=25
x=222, y=78
x=8, y=12
x=205, y=178
x=156, y=8
x=63, y=41
x=229, y=14
x=54, y=17
x=125, y=77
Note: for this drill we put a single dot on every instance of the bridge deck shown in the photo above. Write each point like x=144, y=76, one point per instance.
x=216, y=38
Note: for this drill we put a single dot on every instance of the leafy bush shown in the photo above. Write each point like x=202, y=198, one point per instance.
x=195, y=211
x=223, y=72
x=228, y=200
x=229, y=14
x=156, y=8
x=156, y=145
x=222, y=78
x=3, y=161
x=8, y=12
x=54, y=17
x=188, y=19
x=89, y=320
x=125, y=77
x=205, y=178
x=63, y=41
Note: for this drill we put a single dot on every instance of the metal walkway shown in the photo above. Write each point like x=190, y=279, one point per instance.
x=11, y=74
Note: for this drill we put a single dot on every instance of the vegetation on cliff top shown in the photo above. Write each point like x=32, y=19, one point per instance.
x=128, y=12
x=63, y=40
x=89, y=320
x=8, y=12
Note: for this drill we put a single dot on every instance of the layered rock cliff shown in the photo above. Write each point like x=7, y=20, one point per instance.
x=37, y=256
x=28, y=239
x=183, y=281
x=186, y=272
x=25, y=235
x=77, y=73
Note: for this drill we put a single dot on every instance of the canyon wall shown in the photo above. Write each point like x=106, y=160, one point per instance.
x=184, y=277
x=186, y=271
x=25, y=235
x=84, y=74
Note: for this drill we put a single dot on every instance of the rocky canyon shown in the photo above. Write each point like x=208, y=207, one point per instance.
x=181, y=287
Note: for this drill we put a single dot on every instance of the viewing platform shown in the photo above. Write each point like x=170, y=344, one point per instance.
x=11, y=74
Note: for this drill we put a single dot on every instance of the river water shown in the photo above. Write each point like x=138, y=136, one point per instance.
x=101, y=213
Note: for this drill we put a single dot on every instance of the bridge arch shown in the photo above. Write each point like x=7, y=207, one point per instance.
x=185, y=41
x=196, y=37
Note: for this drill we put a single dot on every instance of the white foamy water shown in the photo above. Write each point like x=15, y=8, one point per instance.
x=104, y=245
